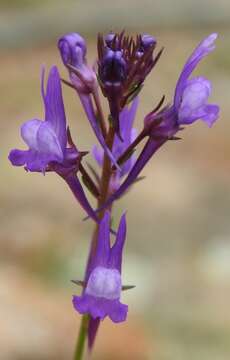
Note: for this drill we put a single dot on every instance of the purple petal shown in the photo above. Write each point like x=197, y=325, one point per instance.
x=194, y=102
x=37, y=162
x=104, y=283
x=103, y=242
x=118, y=312
x=116, y=251
x=127, y=118
x=88, y=107
x=128, y=135
x=41, y=138
x=43, y=147
x=54, y=107
x=29, y=131
x=78, y=192
x=98, y=155
x=126, y=167
x=32, y=160
x=211, y=114
x=196, y=92
x=92, y=331
x=101, y=253
x=203, y=49
x=100, y=308
x=48, y=142
x=18, y=157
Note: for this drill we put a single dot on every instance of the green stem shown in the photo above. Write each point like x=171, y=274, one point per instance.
x=81, y=338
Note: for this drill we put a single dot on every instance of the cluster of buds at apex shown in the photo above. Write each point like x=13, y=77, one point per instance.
x=123, y=64
x=73, y=51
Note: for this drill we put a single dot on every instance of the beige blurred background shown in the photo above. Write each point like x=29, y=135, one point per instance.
x=178, y=246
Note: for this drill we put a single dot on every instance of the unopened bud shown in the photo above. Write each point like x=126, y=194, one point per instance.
x=72, y=49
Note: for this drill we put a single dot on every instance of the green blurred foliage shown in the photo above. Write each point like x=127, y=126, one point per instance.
x=21, y=4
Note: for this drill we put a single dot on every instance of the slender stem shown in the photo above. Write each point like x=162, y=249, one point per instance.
x=81, y=338
x=106, y=170
x=100, y=112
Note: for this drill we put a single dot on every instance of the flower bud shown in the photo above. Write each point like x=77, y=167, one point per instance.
x=113, y=67
x=109, y=39
x=147, y=41
x=72, y=49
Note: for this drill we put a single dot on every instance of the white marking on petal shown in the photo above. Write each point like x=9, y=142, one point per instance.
x=29, y=132
x=105, y=283
x=194, y=97
x=48, y=141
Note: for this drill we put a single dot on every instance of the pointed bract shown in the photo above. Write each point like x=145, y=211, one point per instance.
x=54, y=106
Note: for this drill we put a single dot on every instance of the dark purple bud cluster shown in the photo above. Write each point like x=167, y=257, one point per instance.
x=123, y=64
x=113, y=68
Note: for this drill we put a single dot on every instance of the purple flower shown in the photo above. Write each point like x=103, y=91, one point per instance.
x=190, y=104
x=128, y=134
x=101, y=296
x=47, y=142
x=191, y=95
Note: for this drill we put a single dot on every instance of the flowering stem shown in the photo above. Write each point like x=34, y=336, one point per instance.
x=81, y=338
x=106, y=171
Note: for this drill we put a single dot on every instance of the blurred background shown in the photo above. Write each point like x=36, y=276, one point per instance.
x=178, y=246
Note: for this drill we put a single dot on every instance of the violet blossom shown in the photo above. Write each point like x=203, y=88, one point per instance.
x=47, y=142
x=101, y=295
